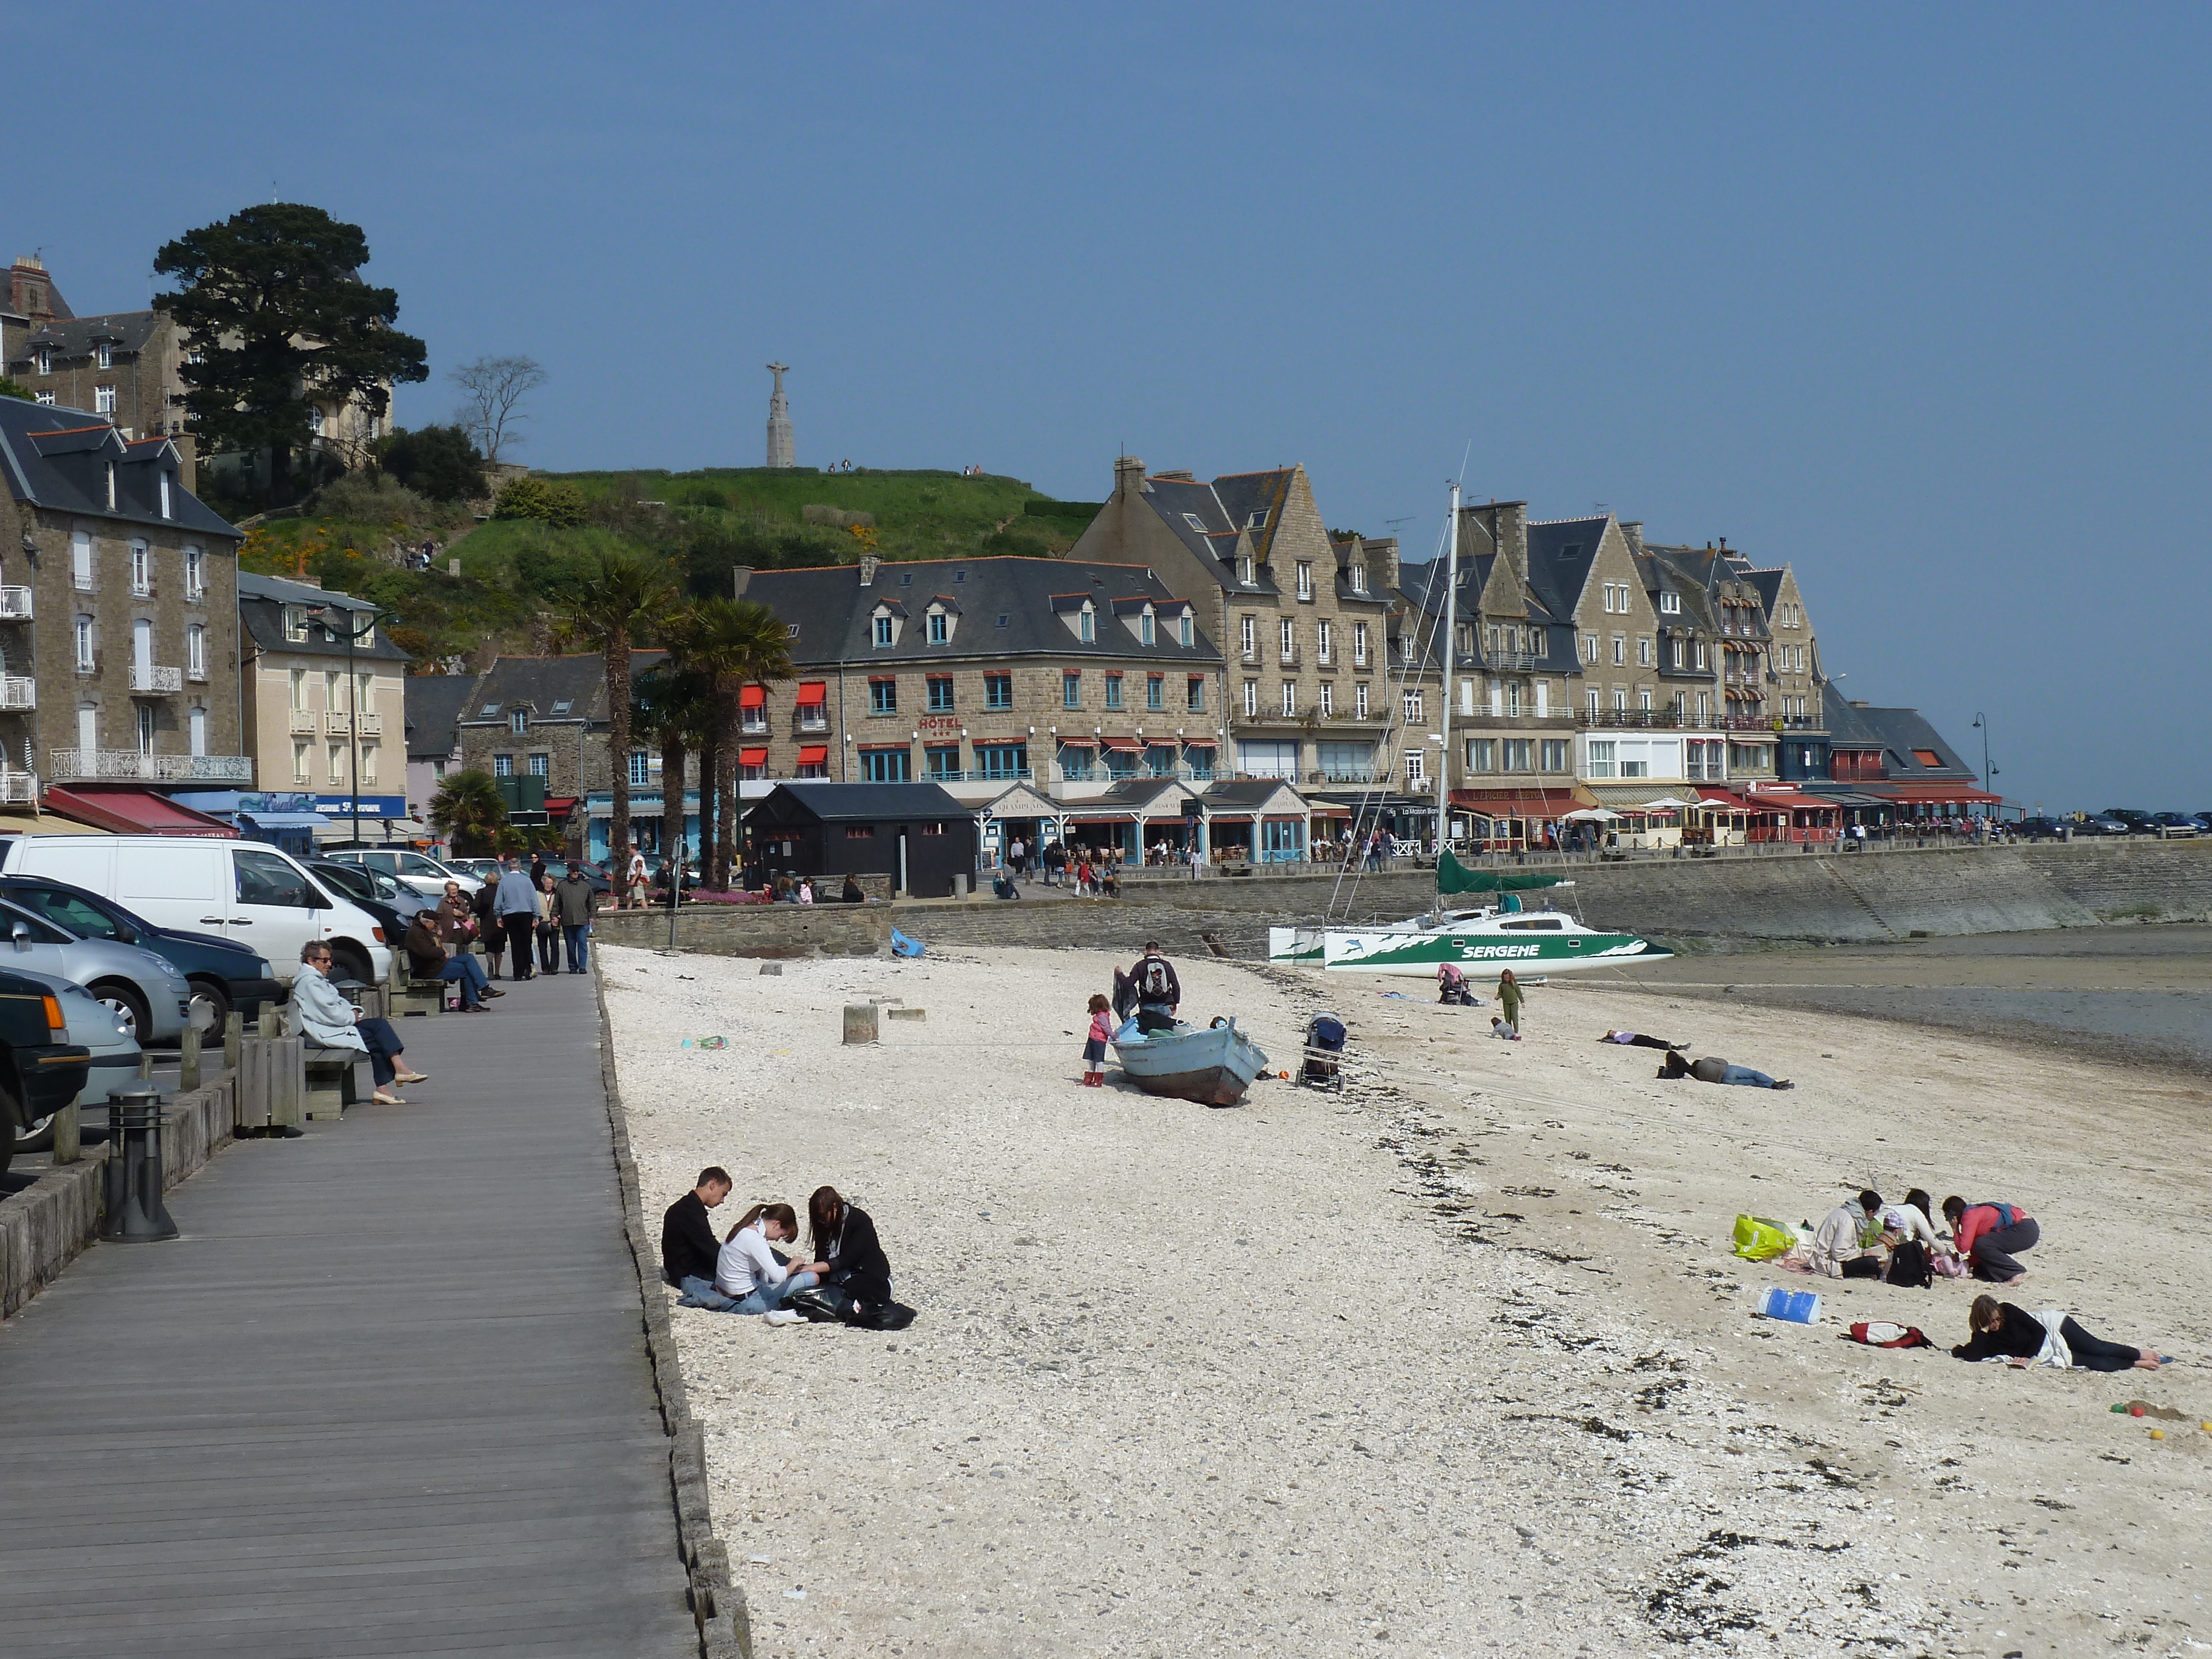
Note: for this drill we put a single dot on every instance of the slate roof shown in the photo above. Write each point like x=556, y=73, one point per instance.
x=1560, y=553
x=546, y=684
x=857, y=803
x=1423, y=586
x=74, y=336
x=833, y=612
x=57, y=458
x=436, y=703
x=1223, y=508
x=1902, y=731
x=261, y=602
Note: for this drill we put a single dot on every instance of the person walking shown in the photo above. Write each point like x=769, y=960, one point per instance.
x=1509, y=997
x=549, y=928
x=575, y=904
x=327, y=1020
x=486, y=917
x=639, y=883
x=515, y=903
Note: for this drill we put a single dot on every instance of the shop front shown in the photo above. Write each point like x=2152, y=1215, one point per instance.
x=1509, y=820
x=1256, y=821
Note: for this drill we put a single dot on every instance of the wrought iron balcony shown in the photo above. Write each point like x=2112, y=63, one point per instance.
x=18, y=788
x=15, y=605
x=1658, y=719
x=87, y=765
x=18, y=691
x=144, y=677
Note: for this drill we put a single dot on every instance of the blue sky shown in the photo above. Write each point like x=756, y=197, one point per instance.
x=1911, y=298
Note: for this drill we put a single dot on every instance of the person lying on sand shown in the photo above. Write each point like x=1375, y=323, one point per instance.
x=1640, y=1040
x=1712, y=1070
x=2002, y=1331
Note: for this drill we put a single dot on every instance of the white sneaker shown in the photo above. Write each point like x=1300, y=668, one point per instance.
x=782, y=1316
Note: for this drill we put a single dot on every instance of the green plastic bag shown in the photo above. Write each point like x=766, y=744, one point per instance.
x=1758, y=1239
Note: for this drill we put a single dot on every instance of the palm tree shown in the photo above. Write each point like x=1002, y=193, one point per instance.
x=675, y=706
x=732, y=643
x=620, y=598
x=468, y=811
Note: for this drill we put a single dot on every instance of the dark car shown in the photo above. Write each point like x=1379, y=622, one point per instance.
x=2180, y=821
x=39, y=1073
x=223, y=974
x=2039, y=828
x=2138, y=823
x=361, y=887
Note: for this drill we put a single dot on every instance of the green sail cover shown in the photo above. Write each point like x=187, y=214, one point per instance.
x=1453, y=877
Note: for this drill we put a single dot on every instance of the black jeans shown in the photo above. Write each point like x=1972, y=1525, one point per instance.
x=549, y=947
x=1993, y=1250
x=520, y=931
x=2094, y=1353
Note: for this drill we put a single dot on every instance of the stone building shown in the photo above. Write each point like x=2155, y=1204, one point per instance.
x=321, y=720
x=435, y=705
x=1305, y=621
x=119, y=613
x=546, y=718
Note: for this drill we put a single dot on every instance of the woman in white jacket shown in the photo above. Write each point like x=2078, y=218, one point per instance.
x=750, y=1270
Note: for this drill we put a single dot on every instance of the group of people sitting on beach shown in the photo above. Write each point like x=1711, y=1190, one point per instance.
x=1866, y=1238
x=842, y=1276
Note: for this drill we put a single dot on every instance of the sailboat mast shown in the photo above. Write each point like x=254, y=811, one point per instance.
x=1450, y=645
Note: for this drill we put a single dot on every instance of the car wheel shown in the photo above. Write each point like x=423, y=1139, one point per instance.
x=348, y=962
x=39, y=1138
x=129, y=1002
x=211, y=1006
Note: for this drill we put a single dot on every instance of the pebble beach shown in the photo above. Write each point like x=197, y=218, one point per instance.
x=1456, y=1360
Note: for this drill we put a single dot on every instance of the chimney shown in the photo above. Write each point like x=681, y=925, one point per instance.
x=1128, y=476
x=1382, y=557
x=868, y=563
x=741, y=576
x=1506, y=524
x=1633, y=529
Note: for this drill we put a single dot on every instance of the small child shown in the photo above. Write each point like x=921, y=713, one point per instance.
x=1499, y=1028
x=1094, y=1046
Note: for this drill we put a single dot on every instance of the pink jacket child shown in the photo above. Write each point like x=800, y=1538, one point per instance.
x=1095, y=1041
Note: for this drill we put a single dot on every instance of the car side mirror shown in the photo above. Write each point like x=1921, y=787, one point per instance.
x=21, y=932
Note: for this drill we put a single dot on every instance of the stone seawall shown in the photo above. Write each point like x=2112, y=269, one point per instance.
x=1716, y=903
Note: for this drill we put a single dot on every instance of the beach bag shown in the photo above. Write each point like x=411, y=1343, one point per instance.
x=1882, y=1333
x=880, y=1316
x=1908, y=1265
x=1758, y=1239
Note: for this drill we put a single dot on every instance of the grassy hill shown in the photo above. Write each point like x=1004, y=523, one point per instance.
x=513, y=571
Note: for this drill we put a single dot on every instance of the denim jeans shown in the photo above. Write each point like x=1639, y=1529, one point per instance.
x=468, y=972
x=1748, y=1078
x=766, y=1298
x=578, y=949
x=384, y=1046
x=704, y=1293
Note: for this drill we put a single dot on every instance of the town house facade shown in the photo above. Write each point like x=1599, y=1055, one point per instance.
x=321, y=720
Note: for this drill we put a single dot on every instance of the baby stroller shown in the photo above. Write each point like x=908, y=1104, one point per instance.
x=1452, y=988
x=1324, y=1062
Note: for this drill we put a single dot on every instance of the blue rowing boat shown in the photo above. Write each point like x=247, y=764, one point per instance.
x=1212, y=1065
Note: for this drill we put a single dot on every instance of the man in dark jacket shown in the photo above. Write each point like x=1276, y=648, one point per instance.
x=688, y=1250
x=488, y=928
x=575, y=904
x=1159, y=993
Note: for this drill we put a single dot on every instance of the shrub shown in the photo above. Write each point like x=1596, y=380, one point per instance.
x=546, y=500
x=437, y=461
x=371, y=498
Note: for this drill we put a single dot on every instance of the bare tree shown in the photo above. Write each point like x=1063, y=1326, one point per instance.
x=491, y=387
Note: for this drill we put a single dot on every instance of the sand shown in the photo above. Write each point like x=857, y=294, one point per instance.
x=1456, y=1361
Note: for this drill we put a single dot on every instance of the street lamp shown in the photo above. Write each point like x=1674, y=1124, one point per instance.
x=327, y=614
x=1989, y=772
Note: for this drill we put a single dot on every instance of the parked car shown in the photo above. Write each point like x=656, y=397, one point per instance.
x=479, y=869
x=417, y=872
x=2040, y=828
x=2138, y=823
x=2180, y=822
x=114, y=1055
x=146, y=990
x=2203, y=820
x=41, y=1071
x=223, y=974
x=383, y=897
x=2102, y=826
x=258, y=895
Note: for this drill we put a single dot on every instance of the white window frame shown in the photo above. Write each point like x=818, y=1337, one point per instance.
x=1248, y=636
x=195, y=573
x=1287, y=637
x=1358, y=574
x=1359, y=645
x=1251, y=700
x=301, y=771
x=1360, y=700
x=142, y=569
x=1289, y=700
x=1417, y=769
x=87, y=655
x=1671, y=604
x=195, y=652
x=1305, y=580
x=1644, y=651
x=1413, y=705
x=103, y=356
x=1598, y=757
x=1328, y=699
x=1620, y=650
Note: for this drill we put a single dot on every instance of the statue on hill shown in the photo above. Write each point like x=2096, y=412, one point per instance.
x=779, y=451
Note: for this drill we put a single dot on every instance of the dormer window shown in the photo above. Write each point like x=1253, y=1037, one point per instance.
x=104, y=354
x=1671, y=604
x=1257, y=521
x=43, y=360
x=1194, y=522
x=518, y=721
x=1184, y=629
x=1144, y=628
x=906, y=579
x=1244, y=570
x=295, y=623
x=883, y=632
x=165, y=497
x=111, y=486
x=1086, y=625
x=939, y=632
x=1358, y=578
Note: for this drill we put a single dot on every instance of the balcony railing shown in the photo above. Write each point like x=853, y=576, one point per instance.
x=196, y=673
x=339, y=723
x=86, y=765
x=18, y=788
x=1365, y=775
x=1511, y=662
x=15, y=605
x=82, y=581
x=303, y=722
x=372, y=724
x=1660, y=719
x=18, y=691
x=145, y=678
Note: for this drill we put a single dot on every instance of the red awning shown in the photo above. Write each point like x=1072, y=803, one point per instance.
x=813, y=693
x=752, y=757
x=1200, y=743
x=1126, y=745
x=1516, y=803
x=753, y=696
x=814, y=754
x=1078, y=743
x=134, y=813
x=559, y=807
x=1916, y=795
x=1784, y=801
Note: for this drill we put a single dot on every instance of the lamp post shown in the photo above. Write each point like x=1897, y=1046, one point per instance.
x=1989, y=772
x=328, y=614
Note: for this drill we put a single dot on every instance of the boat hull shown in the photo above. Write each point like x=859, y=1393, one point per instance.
x=1212, y=1065
x=1417, y=955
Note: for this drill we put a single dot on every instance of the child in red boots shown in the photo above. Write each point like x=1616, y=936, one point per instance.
x=1094, y=1046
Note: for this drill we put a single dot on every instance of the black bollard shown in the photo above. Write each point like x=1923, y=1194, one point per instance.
x=131, y=1182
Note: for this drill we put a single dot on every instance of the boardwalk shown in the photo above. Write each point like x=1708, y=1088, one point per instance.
x=388, y=1394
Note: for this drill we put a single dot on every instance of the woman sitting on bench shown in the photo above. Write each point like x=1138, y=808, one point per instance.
x=327, y=1020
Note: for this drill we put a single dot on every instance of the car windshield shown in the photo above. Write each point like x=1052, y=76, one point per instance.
x=80, y=915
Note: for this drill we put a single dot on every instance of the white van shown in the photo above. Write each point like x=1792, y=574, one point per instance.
x=237, y=890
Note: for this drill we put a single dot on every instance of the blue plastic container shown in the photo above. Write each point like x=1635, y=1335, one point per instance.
x=1799, y=1307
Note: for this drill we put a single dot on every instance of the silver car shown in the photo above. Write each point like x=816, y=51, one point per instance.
x=114, y=1055
x=418, y=872
x=153, y=999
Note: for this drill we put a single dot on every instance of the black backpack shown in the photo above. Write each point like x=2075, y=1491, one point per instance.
x=1152, y=983
x=1908, y=1265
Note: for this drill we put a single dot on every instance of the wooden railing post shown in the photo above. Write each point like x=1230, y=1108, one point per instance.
x=188, y=1061
x=233, y=1028
x=68, y=1146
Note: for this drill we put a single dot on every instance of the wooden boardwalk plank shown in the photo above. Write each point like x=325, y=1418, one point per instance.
x=388, y=1394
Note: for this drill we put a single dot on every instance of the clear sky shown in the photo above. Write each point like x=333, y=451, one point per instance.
x=1912, y=298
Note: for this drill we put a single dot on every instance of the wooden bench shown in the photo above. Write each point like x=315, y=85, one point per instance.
x=333, y=1083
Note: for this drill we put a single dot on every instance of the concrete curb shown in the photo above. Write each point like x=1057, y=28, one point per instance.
x=718, y=1606
x=51, y=1223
